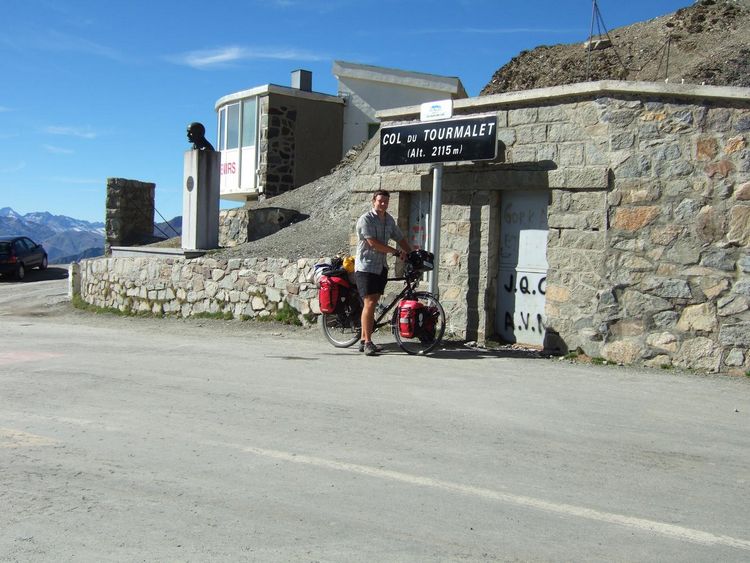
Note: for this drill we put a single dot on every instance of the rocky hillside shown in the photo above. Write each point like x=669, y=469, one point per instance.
x=706, y=42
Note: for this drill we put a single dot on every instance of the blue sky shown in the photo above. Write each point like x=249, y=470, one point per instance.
x=91, y=89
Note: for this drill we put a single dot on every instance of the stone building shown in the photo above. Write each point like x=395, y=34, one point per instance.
x=273, y=138
x=615, y=219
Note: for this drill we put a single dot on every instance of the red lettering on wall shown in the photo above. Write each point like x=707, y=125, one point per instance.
x=228, y=168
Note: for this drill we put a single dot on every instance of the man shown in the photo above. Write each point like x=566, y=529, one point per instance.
x=374, y=230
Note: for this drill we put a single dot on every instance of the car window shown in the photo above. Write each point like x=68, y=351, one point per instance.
x=19, y=247
x=4, y=247
x=28, y=243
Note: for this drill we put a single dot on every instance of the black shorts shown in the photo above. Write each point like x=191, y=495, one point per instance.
x=370, y=284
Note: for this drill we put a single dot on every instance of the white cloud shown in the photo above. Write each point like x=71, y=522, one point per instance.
x=82, y=132
x=4, y=109
x=56, y=41
x=57, y=150
x=77, y=181
x=226, y=55
x=15, y=168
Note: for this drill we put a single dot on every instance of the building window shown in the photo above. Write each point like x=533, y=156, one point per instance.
x=249, y=122
x=233, y=126
x=222, y=128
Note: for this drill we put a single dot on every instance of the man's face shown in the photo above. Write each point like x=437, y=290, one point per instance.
x=380, y=203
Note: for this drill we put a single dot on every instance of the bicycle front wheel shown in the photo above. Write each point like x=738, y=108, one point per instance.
x=341, y=329
x=430, y=331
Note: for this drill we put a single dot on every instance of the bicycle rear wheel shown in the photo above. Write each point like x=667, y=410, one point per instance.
x=430, y=334
x=341, y=329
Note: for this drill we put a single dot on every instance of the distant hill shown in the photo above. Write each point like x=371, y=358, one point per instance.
x=65, y=239
x=168, y=229
x=707, y=42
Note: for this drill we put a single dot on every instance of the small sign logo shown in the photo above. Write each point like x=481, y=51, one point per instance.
x=441, y=109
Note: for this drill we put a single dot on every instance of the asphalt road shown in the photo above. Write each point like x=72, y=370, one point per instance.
x=133, y=439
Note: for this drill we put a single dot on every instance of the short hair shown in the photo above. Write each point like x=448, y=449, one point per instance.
x=384, y=193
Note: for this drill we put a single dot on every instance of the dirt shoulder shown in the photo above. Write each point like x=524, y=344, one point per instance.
x=44, y=295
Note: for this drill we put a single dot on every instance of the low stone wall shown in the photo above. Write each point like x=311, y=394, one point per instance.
x=240, y=225
x=233, y=226
x=244, y=288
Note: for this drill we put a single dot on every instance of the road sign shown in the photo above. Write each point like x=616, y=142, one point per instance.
x=452, y=140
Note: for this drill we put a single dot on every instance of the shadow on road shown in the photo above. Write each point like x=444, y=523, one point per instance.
x=57, y=272
x=454, y=350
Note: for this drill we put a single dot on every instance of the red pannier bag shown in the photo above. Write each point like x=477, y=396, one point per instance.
x=332, y=291
x=411, y=318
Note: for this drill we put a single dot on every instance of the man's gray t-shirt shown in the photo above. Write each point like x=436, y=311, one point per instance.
x=370, y=225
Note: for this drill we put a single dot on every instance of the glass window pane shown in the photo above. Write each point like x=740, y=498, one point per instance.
x=233, y=126
x=248, y=122
x=222, y=128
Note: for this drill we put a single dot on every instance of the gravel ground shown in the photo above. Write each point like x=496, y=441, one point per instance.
x=324, y=233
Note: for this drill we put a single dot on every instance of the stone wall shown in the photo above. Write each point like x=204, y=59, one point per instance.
x=233, y=226
x=649, y=219
x=277, y=146
x=242, y=288
x=129, y=213
x=242, y=224
x=678, y=290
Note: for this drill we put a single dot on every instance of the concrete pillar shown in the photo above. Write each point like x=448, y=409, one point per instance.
x=200, y=200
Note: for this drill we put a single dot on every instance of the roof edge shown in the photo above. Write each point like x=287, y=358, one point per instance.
x=586, y=89
x=276, y=89
x=450, y=84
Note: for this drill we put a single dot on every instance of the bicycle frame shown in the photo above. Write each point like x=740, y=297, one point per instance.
x=410, y=287
x=342, y=328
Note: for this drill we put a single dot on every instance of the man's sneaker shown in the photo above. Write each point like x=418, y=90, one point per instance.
x=371, y=349
x=362, y=346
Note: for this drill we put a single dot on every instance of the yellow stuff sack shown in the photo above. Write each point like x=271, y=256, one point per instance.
x=349, y=264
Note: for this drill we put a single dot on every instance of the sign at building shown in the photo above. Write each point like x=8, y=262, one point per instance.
x=441, y=109
x=453, y=140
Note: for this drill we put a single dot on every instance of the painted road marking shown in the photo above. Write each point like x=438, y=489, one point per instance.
x=11, y=438
x=640, y=524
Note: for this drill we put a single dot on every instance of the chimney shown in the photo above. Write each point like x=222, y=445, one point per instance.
x=302, y=80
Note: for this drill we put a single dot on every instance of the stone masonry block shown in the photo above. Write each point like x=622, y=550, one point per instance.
x=531, y=134
x=552, y=113
x=565, y=133
x=586, y=178
x=522, y=116
x=570, y=154
x=635, y=218
x=739, y=225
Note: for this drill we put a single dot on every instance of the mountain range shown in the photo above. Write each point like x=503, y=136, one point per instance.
x=66, y=239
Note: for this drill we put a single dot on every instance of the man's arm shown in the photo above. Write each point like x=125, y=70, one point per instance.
x=379, y=246
x=385, y=249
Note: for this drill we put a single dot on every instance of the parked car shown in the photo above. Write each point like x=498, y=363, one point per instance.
x=18, y=254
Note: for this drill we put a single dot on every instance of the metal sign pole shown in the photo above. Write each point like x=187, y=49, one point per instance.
x=435, y=213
